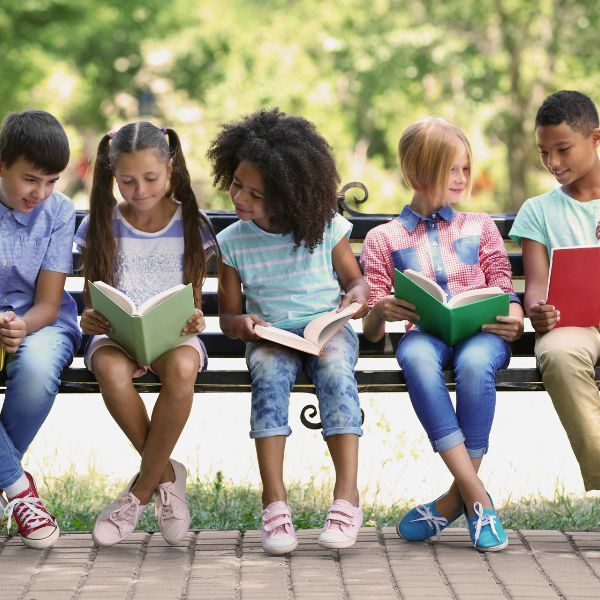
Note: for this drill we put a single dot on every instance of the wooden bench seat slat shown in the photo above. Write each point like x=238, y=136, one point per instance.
x=77, y=379
x=80, y=380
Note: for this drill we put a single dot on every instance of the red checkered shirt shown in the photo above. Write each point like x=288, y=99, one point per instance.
x=460, y=251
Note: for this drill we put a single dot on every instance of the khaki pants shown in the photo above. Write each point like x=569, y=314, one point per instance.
x=566, y=357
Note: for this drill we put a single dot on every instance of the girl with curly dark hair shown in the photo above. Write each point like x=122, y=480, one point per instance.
x=290, y=253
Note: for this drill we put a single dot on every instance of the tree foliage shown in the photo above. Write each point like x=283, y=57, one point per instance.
x=361, y=70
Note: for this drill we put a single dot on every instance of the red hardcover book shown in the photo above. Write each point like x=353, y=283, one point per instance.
x=574, y=285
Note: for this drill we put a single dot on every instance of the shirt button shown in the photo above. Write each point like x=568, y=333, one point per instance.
x=434, y=244
x=432, y=226
x=439, y=269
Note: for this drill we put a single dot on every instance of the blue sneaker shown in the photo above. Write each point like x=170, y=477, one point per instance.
x=485, y=529
x=423, y=522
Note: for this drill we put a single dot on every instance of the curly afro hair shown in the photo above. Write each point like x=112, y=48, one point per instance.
x=296, y=165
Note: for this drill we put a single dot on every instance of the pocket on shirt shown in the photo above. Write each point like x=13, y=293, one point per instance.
x=406, y=258
x=30, y=253
x=467, y=249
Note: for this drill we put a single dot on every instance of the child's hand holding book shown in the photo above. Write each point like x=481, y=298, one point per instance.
x=12, y=331
x=390, y=308
x=93, y=323
x=195, y=324
x=510, y=327
x=543, y=316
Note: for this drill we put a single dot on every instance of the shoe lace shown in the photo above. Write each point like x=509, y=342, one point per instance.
x=483, y=519
x=163, y=508
x=126, y=512
x=29, y=512
x=430, y=519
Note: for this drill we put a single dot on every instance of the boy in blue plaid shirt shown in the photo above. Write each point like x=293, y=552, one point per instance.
x=38, y=319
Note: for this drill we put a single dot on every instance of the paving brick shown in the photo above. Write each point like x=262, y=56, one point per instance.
x=226, y=564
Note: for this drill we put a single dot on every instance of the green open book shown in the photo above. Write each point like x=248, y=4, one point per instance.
x=455, y=319
x=148, y=331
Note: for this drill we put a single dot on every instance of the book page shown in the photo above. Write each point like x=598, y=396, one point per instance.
x=158, y=298
x=118, y=297
x=286, y=338
x=429, y=285
x=323, y=327
x=473, y=296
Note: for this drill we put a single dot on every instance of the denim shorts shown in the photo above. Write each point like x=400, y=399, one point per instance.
x=273, y=370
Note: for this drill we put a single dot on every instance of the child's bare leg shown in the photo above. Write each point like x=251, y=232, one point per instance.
x=450, y=504
x=470, y=487
x=270, y=452
x=344, y=453
x=177, y=370
x=114, y=371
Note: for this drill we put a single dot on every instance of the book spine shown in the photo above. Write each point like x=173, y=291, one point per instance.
x=141, y=341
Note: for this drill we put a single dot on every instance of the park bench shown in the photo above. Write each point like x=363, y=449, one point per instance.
x=231, y=374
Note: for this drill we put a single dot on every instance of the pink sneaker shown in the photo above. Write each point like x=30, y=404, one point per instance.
x=37, y=527
x=342, y=525
x=278, y=535
x=118, y=519
x=171, y=508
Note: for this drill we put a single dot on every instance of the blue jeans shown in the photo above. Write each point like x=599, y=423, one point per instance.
x=273, y=370
x=475, y=362
x=32, y=380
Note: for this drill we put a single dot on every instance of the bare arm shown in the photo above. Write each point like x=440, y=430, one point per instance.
x=45, y=310
x=388, y=308
x=536, y=266
x=350, y=277
x=233, y=323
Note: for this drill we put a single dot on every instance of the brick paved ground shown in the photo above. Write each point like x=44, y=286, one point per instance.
x=228, y=565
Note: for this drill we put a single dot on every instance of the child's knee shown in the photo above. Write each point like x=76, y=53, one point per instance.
x=561, y=359
x=110, y=364
x=266, y=364
x=182, y=370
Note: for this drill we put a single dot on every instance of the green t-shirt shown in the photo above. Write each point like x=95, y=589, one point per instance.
x=557, y=220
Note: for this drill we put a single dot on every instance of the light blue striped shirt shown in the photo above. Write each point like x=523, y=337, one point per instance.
x=285, y=286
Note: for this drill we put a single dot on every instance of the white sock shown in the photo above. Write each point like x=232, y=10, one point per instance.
x=20, y=485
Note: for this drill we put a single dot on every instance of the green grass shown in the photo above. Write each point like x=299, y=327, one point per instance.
x=217, y=503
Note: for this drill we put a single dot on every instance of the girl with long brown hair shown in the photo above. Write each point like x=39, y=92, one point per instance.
x=154, y=239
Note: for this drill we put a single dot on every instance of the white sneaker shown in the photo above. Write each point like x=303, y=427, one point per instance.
x=118, y=519
x=171, y=507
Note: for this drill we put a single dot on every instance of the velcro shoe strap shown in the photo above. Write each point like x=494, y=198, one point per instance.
x=278, y=521
x=340, y=516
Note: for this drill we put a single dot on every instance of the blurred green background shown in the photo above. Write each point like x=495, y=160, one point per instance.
x=361, y=70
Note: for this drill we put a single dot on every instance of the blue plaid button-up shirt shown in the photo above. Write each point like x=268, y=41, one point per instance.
x=35, y=241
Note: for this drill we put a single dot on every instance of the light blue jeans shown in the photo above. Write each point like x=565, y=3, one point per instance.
x=273, y=370
x=475, y=362
x=32, y=380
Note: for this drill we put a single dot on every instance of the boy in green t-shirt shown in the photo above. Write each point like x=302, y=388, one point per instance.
x=568, y=134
